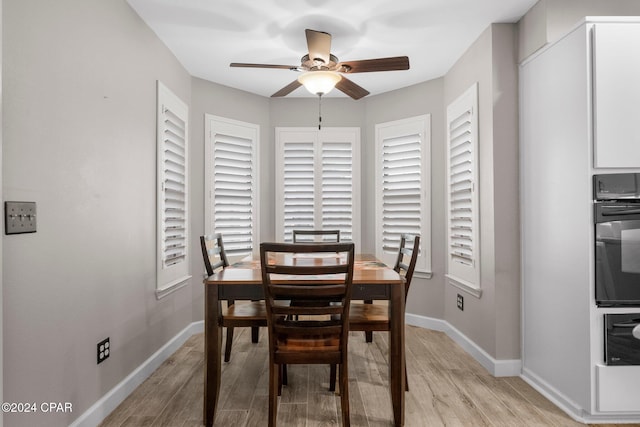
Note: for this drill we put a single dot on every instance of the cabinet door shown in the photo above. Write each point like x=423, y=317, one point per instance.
x=617, y=95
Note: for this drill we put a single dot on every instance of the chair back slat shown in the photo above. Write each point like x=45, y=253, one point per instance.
x=308, y=310
x=302, y=330
x=323, y=236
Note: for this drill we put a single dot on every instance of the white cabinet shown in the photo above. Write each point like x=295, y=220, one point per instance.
x=571, y=126
x=616, y=75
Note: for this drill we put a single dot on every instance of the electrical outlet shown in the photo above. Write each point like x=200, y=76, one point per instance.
x=104, y=350
x=460, y=302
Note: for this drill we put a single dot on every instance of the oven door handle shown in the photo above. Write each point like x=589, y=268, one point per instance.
x=619, y=211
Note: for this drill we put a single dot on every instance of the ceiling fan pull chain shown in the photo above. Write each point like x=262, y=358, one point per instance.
x=319, y=110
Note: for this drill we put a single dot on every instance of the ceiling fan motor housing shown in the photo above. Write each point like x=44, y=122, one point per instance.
x=319, y=63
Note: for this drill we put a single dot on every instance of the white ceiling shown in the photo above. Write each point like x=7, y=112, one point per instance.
x=207, y=35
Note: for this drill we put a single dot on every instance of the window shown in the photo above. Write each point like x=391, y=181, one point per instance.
x=231, y=190
x=172, y=191
x=462, y=191
x=318, y=181
x=403, y=177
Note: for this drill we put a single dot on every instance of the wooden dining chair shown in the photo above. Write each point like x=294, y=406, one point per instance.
x=369, y=317
x=251, y=314
x=315, y=332
x=308, y=236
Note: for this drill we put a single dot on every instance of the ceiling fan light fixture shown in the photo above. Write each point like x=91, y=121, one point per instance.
x=319, y=82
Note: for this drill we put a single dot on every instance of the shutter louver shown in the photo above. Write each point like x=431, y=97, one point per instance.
x=298, y=175
x=401, y=189
x=461, y=187
x=174, y=240
x=337, y=188
x=232, y=198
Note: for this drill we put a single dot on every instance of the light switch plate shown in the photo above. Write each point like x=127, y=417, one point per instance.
x=19, y=217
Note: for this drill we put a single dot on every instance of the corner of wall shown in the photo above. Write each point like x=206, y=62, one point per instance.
x=532, y=30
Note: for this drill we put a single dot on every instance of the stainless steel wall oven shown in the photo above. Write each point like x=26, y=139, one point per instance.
x=617, y=239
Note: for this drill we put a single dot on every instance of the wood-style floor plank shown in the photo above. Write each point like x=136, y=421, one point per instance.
x=447, y=388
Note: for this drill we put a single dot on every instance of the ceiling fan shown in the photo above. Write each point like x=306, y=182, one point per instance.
x=323, y=71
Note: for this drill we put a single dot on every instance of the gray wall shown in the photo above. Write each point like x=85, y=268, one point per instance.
x=79, y=89
x=426, y=295
x=212, y=98
x=549, y=20
x=493, y=320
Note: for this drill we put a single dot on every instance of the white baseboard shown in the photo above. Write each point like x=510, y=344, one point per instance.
x=573, y=409
x=103, y=407
x=568, y=406
x=497, y=368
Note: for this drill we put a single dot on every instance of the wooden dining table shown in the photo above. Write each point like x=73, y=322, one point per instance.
x=372, y=280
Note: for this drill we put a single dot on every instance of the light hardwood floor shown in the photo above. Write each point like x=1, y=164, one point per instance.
x=447, y=388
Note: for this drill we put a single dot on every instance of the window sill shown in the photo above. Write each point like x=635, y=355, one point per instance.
x=467, y=287
x=423, y=274
x=172, y=287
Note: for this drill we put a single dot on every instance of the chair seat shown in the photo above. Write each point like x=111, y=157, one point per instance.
x=368, y=317
x=253, y=313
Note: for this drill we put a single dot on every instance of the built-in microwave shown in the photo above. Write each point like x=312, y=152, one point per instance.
x=617, y=239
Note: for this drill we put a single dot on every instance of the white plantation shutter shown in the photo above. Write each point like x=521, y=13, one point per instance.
x=298, y=187
x=317, y=181
x=172, y=193
x=231, y=189
x=402, y=191
x=232, y=201
x=461, y=184
x=337, y=188
x=462, y=172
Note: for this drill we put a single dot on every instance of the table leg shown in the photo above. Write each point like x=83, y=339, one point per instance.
x=396, y=349
x=212, y=352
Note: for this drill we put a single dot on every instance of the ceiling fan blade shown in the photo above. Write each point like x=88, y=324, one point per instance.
x=287, y=89
x=319, y=44
x=350, y=88
x=380, y=64
x=285, y=67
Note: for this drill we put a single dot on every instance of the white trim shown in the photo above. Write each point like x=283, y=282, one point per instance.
x=570, y=407
x=172, y=287
x=107, y=403
x=497, y=368
x=461, y=284
x=423, y=274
